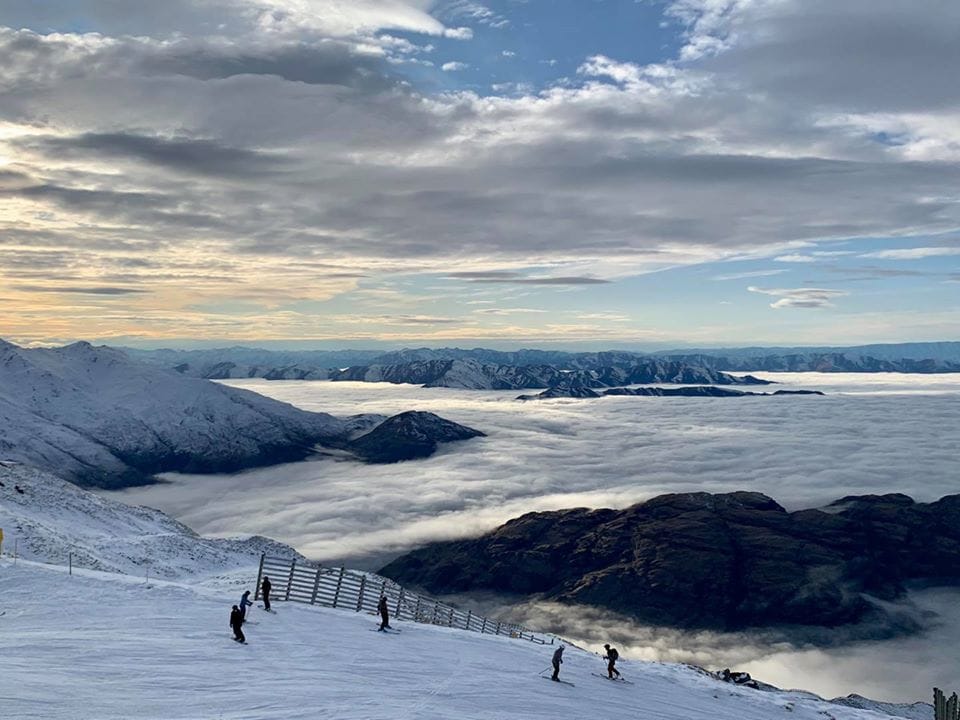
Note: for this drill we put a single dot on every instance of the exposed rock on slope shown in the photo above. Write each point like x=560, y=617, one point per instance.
x=408, y=436
x=708, y=561
x=689, y=391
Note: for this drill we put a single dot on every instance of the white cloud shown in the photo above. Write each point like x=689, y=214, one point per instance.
x=453, y=66
x=800, y=297
x=570, y=453
x=795, y=259
x=459, y=33
x=749, y=274
x=917, y=253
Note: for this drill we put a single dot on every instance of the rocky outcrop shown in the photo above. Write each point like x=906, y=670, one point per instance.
x=726, y=561
x=408, y=436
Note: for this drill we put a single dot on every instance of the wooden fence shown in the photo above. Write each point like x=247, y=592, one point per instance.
x=944, y=709
x=308, y=582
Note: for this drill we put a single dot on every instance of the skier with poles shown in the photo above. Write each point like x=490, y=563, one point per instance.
x=236, y=621
x=611, y=657
x=265, y=591
x=244, y=604
x=557, y=661
x=384, y=614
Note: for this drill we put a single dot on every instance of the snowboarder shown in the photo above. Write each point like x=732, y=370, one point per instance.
x=265, y=590
x=557, y=662
x=244, y=604
x=611, y=657
x=236, y=621
x=384, y=613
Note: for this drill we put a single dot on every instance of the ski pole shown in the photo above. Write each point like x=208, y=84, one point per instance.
x=544, y=670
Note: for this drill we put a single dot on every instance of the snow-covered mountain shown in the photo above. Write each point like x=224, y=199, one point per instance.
x=474, y=375
x=50, y=519
x=94, y=416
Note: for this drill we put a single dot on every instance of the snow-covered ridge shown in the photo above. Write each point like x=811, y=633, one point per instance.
x=50, y=519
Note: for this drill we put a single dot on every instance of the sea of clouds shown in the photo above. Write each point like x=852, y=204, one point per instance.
x=874, y=433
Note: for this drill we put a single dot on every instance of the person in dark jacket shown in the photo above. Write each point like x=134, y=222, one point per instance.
x=244, y=604
x=557, y=662
x=611, y=657
x=236, y=622
x=265, y=591
x=384, y=613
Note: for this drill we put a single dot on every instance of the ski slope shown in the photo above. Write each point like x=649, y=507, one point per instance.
x=105, y=646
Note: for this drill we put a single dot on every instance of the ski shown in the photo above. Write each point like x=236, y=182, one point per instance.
x=565, y=682
x=605, y=677
x=242, y=642
x=390, y=631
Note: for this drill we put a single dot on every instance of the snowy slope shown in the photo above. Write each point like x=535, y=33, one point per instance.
x=53, y=518
x=94, y=416
x=110, y=647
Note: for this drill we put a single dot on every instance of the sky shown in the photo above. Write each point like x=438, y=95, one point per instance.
x=613, y=173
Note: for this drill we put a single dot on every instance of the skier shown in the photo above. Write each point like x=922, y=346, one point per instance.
x=265, y=590
x=236, y=620
x=557, y=661
x=611, y=657
x=244, y=604
x=384, y=613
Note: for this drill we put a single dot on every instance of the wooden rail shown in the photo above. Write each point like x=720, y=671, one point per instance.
x=307, y=582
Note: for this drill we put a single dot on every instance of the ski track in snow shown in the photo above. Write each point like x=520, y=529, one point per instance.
x=103, y=646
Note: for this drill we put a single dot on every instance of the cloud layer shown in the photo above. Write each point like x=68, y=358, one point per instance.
x=287, y=145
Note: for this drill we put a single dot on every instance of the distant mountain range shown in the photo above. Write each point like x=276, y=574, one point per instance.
x=698, y=560
x=96, y=417
x=241, y=362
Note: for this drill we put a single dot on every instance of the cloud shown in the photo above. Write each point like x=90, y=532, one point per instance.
x=475, y=12
x=795, y=258
x=917, y=253
x=749, y=274
x=459, y=33
x=453, y=66
x=800, y=297
x=507, y=277
x=81, y=290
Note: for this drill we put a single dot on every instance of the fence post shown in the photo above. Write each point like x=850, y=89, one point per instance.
x=256, y=589
x=316, y=587
x=70, y=562
x=498, y=629
x=363, y=584
x=416, y=610
x=469, y=615
x=293, y=565
x=450, y=619
x=483, y=626
x=336, y=594
x=399, y=601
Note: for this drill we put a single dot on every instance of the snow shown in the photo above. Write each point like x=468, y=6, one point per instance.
x=92, y=414
x=104, y=646
x=107, y=645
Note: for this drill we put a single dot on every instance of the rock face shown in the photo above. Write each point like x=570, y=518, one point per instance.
x=408, y=436
x=474, y=375
x=727, y=561
x=93, y=416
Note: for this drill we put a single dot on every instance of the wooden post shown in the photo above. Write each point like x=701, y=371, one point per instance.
x=256, y=589
x=469, y=615
x=450, y=621
x=498, y=629
x=336, y=594
x=363, y=584
x=483, y=626
x=293, y=565
x=416, y=610
x=433, y=616
x=399, y=600
x=316, y=587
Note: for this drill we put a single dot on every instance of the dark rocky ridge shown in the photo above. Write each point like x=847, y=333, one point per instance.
x=408, y=436
x=726, y=562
